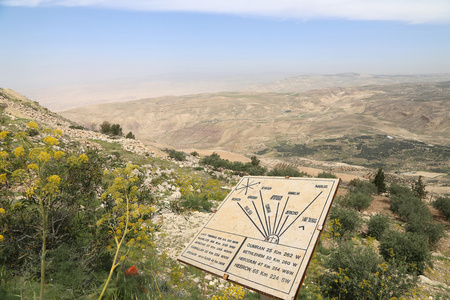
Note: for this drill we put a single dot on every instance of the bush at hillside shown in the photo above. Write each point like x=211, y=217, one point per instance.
x=409, y=207
x=348, y=220
x=177, y=155
x=429, y=229
x=284, y=170
x=364, y=187
x=357, y=200
x=326, y=175
x=409, y=248
x=443, y=205
x=358, y=272
x=377, y=226
x=251, y=168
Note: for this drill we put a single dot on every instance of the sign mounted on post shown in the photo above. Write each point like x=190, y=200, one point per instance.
x=264, y=233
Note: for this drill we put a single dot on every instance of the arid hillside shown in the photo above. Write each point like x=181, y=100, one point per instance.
x=251, y=122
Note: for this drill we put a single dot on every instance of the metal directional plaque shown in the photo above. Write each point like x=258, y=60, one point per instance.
x=264, y=233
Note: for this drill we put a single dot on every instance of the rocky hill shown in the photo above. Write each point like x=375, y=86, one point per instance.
x=178, y=190
x=251, y=122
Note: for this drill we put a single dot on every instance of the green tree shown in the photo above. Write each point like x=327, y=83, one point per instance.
x=379, y=181
x=105, y=127
x=418, y=188
x=130, y=135
x=255, y=161
x=116, y=129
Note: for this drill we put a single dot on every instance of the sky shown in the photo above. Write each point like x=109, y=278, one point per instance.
x=49, y=43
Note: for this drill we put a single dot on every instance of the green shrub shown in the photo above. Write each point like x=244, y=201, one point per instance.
x=397, y=189
x=348, y=218
x=177, y=155
x=429, y=229
x=326, y=175
x=251, y=168
x=443, y=205
x=196, y=202
x=409, y=248
x=364, y=187
x=377, y=226
x=283, y=170
x=130, y=135
x=358, y=272
x=357, y=200
x=408, y=207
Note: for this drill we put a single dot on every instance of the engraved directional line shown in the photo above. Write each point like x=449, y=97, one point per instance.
x=257, y=213
x=247, y=186
x=276, y=216
x=281, y=216
x=299, y=215
x=251, y=220
x=264, y=211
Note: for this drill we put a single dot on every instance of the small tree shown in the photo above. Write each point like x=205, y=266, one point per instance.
x=379, y=181
x=130, y=135
x=255, y=161
x=116, y=130
x=418, y=188
x=105, y=127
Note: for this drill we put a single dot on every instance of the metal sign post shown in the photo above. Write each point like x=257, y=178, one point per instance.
x=264, y=233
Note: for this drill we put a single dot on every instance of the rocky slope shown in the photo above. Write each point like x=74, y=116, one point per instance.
x=250, y=122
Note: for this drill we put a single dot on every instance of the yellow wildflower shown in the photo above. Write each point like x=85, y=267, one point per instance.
x=54, y=179
x=49, y=140
x=3, y=134
x=2, y=211
x=19, y=151
x=122, y=258
x=52, y=186
x=33, y=167
x=1, y=238
x=58, y=155
x=119, y=232
x=44, y=156
x=57, y=133
x=83, y=158
x=4, y=154
x=30, y=191
x=32, y=125
x=3, y=178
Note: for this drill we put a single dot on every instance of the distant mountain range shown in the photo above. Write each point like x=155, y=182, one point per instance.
x=248, y=122
x=66, y=97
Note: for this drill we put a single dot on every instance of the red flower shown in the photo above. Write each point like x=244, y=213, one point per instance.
x=131, y=271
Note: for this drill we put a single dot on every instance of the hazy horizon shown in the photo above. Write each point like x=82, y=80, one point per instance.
x=52, y=48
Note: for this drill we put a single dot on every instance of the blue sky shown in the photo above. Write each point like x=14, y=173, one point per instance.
x=60, y=42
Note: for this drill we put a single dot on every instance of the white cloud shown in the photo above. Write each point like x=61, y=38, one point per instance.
x=410, y=11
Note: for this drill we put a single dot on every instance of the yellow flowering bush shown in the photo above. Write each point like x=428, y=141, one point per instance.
x=19, y=151
x=234, y=291
x=128, y=221
x=32, y=165
x=3, y=134
x=3, y=178
x=32, y=125
x=359, y=272
x=49, y=140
